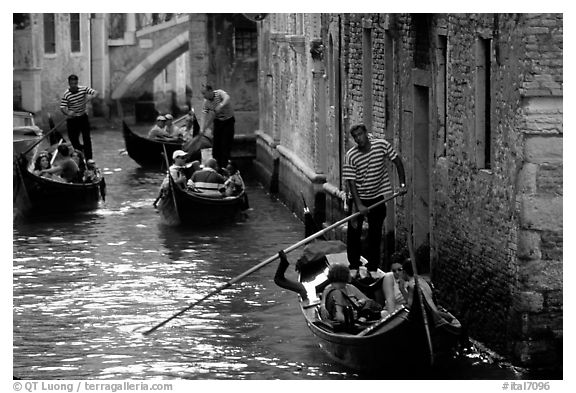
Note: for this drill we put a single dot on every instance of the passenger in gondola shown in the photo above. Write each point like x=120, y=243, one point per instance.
x=92, y=172
x=78, y=158
x=189, y=170
x=393, y=285
x=67, y=168
x=159, y=129
x=339, y=297
x=176, y=171
x=207, y=180
x=234, y=185
x=191, y=127
x=438, y=316
x=42, y=162
x=170, y=129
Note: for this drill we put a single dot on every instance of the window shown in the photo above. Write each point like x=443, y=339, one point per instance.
x=116, y=23
x=483, y=93
x=245, y=43
x=49, y=33
x=75, y=32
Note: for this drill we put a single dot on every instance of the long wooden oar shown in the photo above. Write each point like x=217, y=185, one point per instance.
x=44, y=136
x=269, y=260
x=420, y=296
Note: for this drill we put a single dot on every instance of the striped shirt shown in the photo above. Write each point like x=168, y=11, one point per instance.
x=76, y=102
x=369, y=170
x=210, y=105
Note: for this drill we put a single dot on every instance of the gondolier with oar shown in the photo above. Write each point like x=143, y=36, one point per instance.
x=366, y=175
x=73, y=106
x=217, y=109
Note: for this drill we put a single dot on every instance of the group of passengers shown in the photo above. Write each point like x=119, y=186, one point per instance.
x=165, y=130
x=70, y=166
x=394, y=290
x=208, y=179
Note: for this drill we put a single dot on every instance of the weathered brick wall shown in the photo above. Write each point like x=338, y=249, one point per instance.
x=496, y=233
x=474, y=220
x=483, y=225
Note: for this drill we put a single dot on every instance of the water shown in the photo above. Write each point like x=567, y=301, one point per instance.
x=84, y=289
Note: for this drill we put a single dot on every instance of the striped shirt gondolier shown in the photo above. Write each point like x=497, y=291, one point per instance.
x=76, y=102
x=210, y=105
x=369, y=170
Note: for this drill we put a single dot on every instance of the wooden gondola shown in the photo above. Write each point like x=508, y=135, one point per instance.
x=181, y=207
x=148, y=153
x=36, y=196
x=385, y=345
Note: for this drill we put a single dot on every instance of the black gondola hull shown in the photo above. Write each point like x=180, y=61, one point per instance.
x=36, y=196
x=146, y=152
x=193, y=209
x=387, y=345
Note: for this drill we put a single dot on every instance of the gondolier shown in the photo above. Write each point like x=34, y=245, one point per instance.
x=218, y=108
x=73, y=105
x=366, y=174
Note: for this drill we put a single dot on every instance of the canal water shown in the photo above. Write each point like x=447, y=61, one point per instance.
x=85, y=287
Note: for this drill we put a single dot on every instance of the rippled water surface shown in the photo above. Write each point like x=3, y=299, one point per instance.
x=86, y=287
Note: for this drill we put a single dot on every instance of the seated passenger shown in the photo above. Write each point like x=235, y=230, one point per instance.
x=394, y=288
x=66, y=168
x=191, y=168
x=176, y=171
x=42, y=162
x=207, y=180
x=169, y=128
x=336, y=303
x=92, y=173
x=234, y=185
x=438, y=316
x=159, y=129
x=78, y=158
x=190, y=129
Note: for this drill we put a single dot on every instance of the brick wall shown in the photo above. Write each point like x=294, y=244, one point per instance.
x=495, y=231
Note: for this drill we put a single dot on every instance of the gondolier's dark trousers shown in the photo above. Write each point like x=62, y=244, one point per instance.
x=76, y=126
x=223, y=140
x=376, y=218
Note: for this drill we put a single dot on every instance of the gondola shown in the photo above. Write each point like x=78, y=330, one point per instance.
x=378, y=346
x=182, y=207
x=148, y=153
x=36, y=196
x=389, y=344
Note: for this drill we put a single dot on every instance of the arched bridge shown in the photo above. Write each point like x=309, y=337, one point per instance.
x=134, y=62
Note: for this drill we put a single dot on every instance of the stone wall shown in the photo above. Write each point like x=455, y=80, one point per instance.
x=494, y=178
x=538, y=307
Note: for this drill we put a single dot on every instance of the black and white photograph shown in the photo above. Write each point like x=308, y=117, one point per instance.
x=303, y=196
